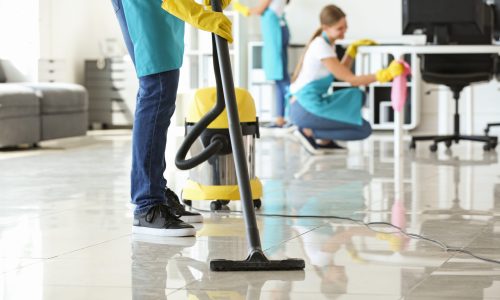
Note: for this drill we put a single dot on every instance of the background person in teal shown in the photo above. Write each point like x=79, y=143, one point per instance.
x=324, y=117
x=155, y=40
x=276, y=37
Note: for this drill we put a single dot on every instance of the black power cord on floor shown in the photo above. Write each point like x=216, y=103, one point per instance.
x=368, y=225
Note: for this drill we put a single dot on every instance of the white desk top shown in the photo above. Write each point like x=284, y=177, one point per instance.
x=398, y=50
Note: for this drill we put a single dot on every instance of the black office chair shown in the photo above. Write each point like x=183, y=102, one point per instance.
x=456, y=71
x=489, y=125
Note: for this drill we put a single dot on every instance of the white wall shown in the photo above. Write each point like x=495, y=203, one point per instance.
x=366, y=18
x=72, y=31
x=19, y=38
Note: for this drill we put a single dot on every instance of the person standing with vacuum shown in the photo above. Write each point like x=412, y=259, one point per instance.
x=276, y=37
x=155, y=41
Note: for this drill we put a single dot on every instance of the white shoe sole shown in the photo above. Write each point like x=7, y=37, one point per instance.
x=277, y=132
x=164, y=240
x=192, y=219
x=306, y=144
x=334, y=151
x=164, y=232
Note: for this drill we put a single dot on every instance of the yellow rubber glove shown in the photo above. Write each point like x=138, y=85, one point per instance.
x=393, y=70
x=196, y=15
x=225, y=3
x=395, y=241
x=242, y=9
x=352, y=50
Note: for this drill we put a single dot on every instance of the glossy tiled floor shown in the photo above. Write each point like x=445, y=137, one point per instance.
x=65, y=226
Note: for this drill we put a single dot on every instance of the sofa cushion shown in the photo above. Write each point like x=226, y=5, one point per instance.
x=3, y=77
x=17, y=101
x=60, y=97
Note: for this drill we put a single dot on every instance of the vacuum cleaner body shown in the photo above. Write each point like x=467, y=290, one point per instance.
x=216, y=179
x=232, y=109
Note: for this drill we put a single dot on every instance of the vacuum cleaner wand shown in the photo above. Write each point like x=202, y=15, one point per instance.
x=256, y=260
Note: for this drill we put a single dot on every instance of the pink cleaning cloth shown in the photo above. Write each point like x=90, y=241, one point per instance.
x=398, y=216
x=399, y=88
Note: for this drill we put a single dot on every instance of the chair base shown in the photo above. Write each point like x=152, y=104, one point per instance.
x=490, y=141
x=488, y=126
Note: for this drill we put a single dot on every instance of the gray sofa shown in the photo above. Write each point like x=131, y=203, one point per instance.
x=19, y=115
x=34, y=112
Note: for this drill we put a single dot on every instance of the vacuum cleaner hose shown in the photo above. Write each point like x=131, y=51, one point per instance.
x=216, y=144
x=212, y=149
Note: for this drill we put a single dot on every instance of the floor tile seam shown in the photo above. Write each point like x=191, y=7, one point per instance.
x=451, y=298
x=41, y=151
x=471, y=240
x=191, y=283
x=8, y=224
x=269, y=289
x=451, y=256
x=40, y=261
x=79, y=207
x=427, y=276
x=61, y=255
x=88, y=285
x=295, y=237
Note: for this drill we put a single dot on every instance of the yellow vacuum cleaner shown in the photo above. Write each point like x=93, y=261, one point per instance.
x=217, y=143
x=215, y=179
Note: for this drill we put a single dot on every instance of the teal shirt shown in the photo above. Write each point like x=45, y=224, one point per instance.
x=157, y=36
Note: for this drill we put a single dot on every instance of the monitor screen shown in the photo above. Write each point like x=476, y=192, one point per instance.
x=496, y=16
x=448, y=21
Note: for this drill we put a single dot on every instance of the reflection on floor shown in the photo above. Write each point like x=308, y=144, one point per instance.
x=65, y=226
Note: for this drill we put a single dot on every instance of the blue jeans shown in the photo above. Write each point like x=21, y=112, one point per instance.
x=326, y=129
x=155, y=106
x=283, y=84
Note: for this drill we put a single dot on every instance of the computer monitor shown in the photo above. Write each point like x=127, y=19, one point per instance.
x=496, y=18
x=449, y=21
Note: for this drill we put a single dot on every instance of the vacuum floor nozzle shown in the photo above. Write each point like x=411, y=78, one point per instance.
x=257, y=261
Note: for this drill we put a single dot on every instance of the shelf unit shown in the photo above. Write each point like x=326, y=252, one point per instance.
x=112, y=87
x=380, y=113
x=261, y=89
x=197, y=70
x=52, y=70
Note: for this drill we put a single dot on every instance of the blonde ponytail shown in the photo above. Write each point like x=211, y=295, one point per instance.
x=298, y=68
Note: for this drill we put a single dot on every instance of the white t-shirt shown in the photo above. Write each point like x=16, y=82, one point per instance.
x=278, y=6
x=312, y=67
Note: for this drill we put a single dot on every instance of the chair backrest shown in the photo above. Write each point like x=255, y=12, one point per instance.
x=497, y=71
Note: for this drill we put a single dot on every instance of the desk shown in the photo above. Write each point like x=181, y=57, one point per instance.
x=399, y=51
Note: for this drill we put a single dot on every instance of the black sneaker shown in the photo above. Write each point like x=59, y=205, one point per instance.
x=176, y=208
x=333, y=147
x=160, y=221
x=308, y=142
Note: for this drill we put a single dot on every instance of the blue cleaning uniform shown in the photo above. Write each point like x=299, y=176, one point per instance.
x=158, y=40
x=272, y=56
x=343, y=105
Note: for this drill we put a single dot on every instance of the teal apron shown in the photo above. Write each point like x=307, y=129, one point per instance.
x=157, y=36
x=344, y=105
x=272, y=58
